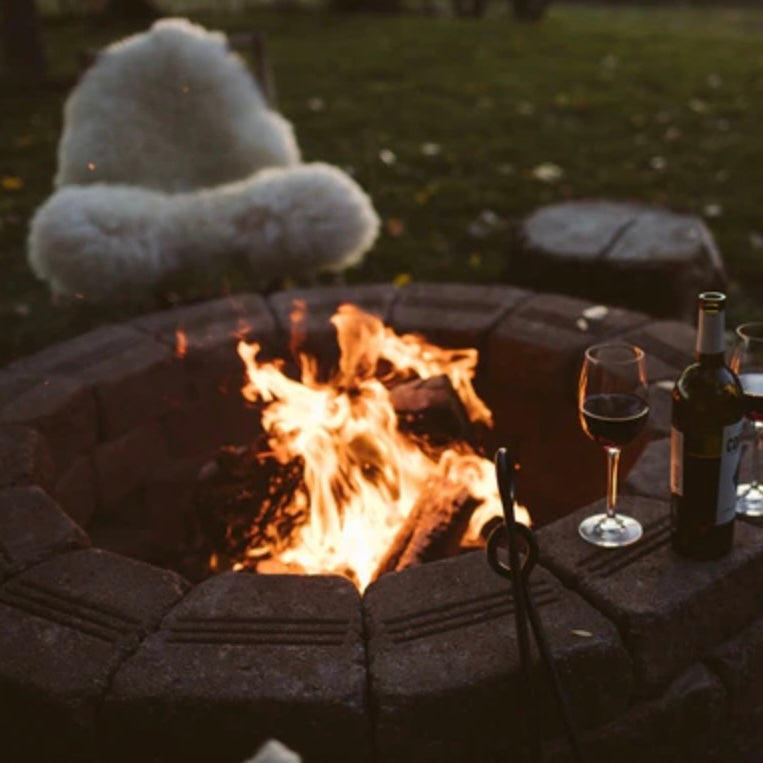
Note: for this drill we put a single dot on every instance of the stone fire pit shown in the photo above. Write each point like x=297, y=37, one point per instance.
x=106, y=656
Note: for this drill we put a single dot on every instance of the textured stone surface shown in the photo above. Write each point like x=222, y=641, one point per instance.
x=76, y=491
x=669, y=347
x=206, y=335
x=24, y=457
x=666, y=607
x=444, y=665
x=68, y=623
x=651, y=474
x=540, y=344
x=739, y=663
x=219, y=419
x=32, y=528
x=62, y=409
x=241, y=659
x=643, y=256
x=125, y=463
x=454, y=315
x=685, y=724
x=134, y=377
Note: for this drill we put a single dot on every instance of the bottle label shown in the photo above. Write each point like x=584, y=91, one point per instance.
x=706, y=456
x=727, y=481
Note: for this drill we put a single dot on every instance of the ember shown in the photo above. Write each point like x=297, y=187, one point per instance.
x=345, y=479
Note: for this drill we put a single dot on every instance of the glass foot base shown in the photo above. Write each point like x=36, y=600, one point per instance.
x=750, y=499
x=620, y=530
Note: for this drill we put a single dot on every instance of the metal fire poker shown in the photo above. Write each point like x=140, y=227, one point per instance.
x=518, y=571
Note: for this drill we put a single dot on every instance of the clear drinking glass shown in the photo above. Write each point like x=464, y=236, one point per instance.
x=747, y=363
x=613, y=408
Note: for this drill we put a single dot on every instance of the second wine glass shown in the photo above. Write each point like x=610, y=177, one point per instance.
x=613, y=408
x=747, y=363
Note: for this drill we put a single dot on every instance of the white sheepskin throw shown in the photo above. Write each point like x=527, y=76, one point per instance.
x=170, y=159
x=102, y=241
x=170, y=109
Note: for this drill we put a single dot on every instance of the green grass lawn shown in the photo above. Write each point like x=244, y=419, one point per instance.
x=444, y=120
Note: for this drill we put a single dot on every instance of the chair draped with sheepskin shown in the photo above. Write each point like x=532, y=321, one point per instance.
x=170, y=159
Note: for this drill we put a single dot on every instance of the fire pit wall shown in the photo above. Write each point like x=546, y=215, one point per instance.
x=117, y=659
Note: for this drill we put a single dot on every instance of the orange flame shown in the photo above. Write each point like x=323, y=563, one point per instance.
x=362, y=475
x=181, y=343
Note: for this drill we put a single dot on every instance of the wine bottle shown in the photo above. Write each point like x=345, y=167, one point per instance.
x=707, y=419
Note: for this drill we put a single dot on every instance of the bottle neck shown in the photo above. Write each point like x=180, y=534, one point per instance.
x=710, y=347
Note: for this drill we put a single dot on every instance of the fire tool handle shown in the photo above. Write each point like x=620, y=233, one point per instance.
x=518, y=571
x=505, y=477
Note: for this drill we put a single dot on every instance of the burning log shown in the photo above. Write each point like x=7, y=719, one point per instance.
x=432, y=530
x=432, y=410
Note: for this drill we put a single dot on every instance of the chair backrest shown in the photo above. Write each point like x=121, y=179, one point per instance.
x=171, y=109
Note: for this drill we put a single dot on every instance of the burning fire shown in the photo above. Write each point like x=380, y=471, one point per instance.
x=362, y=476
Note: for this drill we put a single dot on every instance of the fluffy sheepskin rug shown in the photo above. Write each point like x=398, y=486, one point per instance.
x=171, y=158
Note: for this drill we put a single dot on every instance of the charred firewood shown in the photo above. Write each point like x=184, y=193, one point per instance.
x=432, y=530
x=245, y=499
x=431, y=410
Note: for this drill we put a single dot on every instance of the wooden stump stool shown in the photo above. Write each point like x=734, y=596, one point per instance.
x=644, y=257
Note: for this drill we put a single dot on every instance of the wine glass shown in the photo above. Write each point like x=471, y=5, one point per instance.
x=747, y=363
x=613, y=409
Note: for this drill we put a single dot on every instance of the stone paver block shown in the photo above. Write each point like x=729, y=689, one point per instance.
x=444, y=665
x=67, y=624
x=666, y=607
x=651, y=474
x=24, y=457
x=739, y=663
x=685, y=724
x=669, y=347
x=135, y=378
x=62, y=409
x=201, y=428
x=124, y=464
x=453, y=315
x=32, y=528
x=76, y=491
x=206, y=335
x=243, y=658
x=541, y=343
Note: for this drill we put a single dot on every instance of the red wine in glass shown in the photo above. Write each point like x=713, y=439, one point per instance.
x=614, y=419
x=613, y=409
x=752, y=385
x=747, y=363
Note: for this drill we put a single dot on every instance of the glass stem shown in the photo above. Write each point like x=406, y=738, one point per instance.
x=613, y=461
x=758, y=432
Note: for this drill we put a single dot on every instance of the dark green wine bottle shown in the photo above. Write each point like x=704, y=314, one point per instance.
x=707, y=420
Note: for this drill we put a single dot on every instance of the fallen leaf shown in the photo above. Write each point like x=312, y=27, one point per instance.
x=547, y=172
x=12, y=183
x=475, y=260
x=713, y=210
x=658, y=163
x=387, y=157
x=402, y=279
x=698, y=106
x=394, y=226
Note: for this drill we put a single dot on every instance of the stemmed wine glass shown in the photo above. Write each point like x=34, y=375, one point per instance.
x=613, y=409
x=747, y=363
